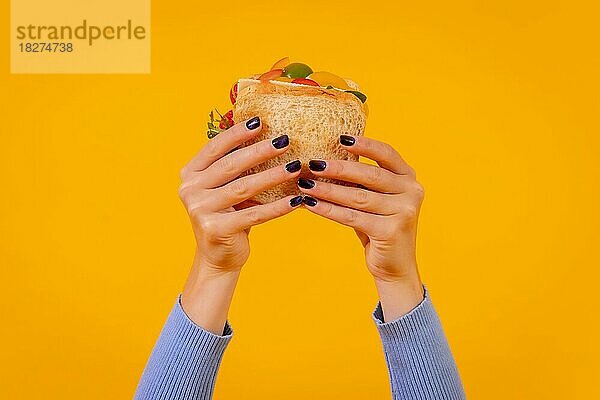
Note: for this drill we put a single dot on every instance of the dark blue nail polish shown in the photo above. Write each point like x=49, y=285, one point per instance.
x=309, y=201
x=317, y=165
x=253, y=123
x=296, y=201
x=306, y=183
x=281, y=141
x=293, y=166
x=347, y=140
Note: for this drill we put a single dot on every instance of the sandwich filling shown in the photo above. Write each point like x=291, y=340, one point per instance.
x=292, y=76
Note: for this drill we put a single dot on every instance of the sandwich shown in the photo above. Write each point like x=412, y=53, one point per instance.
x=312, y=108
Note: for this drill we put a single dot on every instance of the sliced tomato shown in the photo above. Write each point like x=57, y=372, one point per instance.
x=305, y=81
x=272, y=74
x=233, y=93
x=281, y=64
x=227, y=121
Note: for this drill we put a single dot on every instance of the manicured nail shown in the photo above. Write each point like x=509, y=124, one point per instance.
x=253, y=123
x=309, y=201
x=317, y=165
x=347, y=140
x=293, y=166
x=296, y=201
x=306, y=183
x=281, y=141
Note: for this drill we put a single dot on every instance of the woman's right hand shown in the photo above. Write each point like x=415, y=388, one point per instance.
x=217, y=201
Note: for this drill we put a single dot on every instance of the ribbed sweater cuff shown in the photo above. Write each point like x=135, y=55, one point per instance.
x=185, y=360
x=420, y=363
x=419, y=317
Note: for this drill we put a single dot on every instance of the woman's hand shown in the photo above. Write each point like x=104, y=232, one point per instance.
x=383, y=211
x=217, y=201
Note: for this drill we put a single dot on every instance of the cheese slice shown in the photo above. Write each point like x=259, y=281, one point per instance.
x=244, y=83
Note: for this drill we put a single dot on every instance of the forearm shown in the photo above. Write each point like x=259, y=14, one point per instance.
x=207, y=295
x=187, y=355
x=419, y=360
x=399, y=296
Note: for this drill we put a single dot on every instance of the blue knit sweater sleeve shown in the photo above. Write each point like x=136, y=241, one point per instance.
x=186, y=358
x=419, y=360
x=184, y=362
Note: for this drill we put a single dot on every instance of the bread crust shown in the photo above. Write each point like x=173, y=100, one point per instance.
x=312, y=117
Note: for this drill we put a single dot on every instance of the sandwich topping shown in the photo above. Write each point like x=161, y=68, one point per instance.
x=288, y=74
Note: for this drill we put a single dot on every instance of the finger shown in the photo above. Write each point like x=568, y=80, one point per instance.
x=357, y=198
x=245, y=204
x=364, y=239
x=370, y=176
x=384, y=154
x=250, y=185
x=230, y=166
x=244, y=219
x=360, y=220
x=223, y=143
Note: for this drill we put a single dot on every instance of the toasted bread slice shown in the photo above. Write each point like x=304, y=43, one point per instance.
x=312, y=117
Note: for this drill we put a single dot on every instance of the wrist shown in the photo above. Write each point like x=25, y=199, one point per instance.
x=213, y=268
x=399, y=296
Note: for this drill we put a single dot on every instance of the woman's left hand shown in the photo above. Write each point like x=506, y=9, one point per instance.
x=383, y=211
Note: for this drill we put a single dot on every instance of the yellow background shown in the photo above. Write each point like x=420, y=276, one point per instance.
x=495, y=104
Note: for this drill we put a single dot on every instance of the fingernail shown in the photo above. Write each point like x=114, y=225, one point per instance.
x=293, y=166
x=309, y=201
x=347, y=140
x=306, y=183
x=253, y=123
x=317, y=165
x=281, y=141
x=296, y=201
